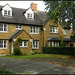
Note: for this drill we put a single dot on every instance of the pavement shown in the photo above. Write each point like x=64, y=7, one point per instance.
x=34, y=66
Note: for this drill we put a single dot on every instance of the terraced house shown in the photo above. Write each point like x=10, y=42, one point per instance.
x=32, y=27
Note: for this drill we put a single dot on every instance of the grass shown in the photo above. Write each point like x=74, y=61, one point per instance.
x=53, y=56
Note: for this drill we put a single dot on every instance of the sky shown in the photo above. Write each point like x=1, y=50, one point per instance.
x=24, y=4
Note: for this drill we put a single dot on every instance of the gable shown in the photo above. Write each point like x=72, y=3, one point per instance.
x=23, y=35
x=6, y=7
x=30, y=12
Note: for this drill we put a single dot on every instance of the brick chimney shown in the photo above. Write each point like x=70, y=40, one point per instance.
x=34, y=6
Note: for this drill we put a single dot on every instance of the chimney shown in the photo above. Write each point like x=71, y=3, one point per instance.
x=34, y=6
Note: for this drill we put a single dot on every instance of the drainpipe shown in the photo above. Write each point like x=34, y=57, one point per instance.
x=10, y=46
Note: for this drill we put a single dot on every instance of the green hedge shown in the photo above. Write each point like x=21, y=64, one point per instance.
x=59, y=50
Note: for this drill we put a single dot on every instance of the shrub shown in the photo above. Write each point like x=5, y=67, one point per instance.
x=59, y=50
x=3, y=72
x=17, y=51
x=26, y=53
x=32, y=53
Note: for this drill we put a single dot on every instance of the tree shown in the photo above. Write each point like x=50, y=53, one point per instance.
x=62, y=11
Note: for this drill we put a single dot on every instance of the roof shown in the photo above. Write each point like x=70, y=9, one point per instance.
x=67, y=39
x=17, y=33
x=53, y=38
x=19, y=18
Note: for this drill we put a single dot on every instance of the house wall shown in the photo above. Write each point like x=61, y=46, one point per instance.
x=6, y=51
x=11, y=30
x=47, y=33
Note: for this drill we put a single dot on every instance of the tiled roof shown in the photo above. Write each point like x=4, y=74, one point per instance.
x=19, y=18
x=53, y=38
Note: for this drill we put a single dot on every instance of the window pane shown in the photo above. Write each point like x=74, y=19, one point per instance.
x=36, y=29
x=5, y=27
x=5, y=12
x=25, y=43
x=8, y=12
x=1, y=27
x=1, y=43
x=20, y=44
x=19, y=26
x=4, y=44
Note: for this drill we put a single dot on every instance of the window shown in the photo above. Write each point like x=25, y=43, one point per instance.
x=64, y=31
x=35, y=44
x=6, y=13
x=29, y=15
x=53, y=29
x=34, y=29
x=54, y=44
x=3, y=27
x=3, y=44
x=18, y=27
x=23, y=44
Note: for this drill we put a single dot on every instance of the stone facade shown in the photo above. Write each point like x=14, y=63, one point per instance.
x=47, y=33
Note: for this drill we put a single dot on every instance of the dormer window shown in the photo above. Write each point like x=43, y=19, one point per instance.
x=29, y=15
x=6, y=13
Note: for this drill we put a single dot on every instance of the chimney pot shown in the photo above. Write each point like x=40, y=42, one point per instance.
x=34, y=6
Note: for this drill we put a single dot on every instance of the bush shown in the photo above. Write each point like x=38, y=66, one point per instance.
x=17, y=51
x=32, y=53
x=3, y=72
x=59, y=50
x=26, y=53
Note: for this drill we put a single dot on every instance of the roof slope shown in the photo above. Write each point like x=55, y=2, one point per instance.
x=18, y=17
x=17, y=33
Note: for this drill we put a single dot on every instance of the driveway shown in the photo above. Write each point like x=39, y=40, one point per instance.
x=20, y=66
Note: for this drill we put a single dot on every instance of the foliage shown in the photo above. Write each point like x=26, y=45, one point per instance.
x=25, y=53
x=17, y=51
x=16, y=43
x=32, y=53
x=61, y=11
x=72, y=37
x=59, y=50
x=3, y=72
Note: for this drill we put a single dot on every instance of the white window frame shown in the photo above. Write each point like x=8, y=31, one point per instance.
x=34, y=30
x=18, y=27
x=30, y=15
x=54, y=29
x=23, y=44
x=4, y=27
x=3, y=44
x=35, y=44
x=7, y=13
x=54, y=43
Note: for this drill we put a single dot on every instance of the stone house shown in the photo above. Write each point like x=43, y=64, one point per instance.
x=31, y=26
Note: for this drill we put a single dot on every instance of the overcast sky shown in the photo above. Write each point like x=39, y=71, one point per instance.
x=24, y=4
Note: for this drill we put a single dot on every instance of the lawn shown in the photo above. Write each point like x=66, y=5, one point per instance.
x=53, y=56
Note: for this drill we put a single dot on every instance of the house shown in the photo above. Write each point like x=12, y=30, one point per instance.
x=32, y=27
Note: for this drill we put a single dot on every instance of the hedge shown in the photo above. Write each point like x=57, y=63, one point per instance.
x=59, y=50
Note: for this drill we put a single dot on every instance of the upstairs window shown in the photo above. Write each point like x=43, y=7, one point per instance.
x=53, y=29
x=3, y=27
x=29, y=15
x=18, y=27
x=34, y=30
x=6, y=13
